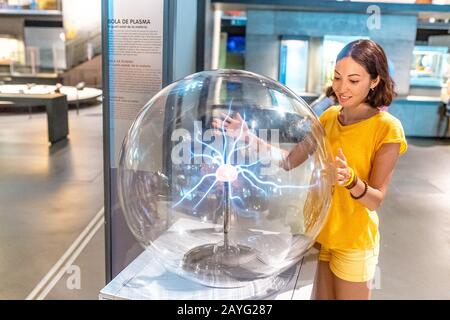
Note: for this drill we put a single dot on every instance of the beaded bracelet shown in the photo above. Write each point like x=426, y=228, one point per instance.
x=366, y=186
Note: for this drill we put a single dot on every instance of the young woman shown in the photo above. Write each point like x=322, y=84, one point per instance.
x=366, y=143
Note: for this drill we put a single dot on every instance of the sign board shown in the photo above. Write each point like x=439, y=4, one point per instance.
x=133, y=32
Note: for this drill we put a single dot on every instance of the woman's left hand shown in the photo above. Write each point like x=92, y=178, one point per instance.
x=342, y=172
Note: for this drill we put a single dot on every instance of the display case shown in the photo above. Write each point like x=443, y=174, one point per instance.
x=429, y=66
x=31, y=42
x=30, y=4
x=306, y=64
x=11, y=50
x=294, y=63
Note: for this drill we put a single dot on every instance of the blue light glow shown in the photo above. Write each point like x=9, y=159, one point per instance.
x=223, y=159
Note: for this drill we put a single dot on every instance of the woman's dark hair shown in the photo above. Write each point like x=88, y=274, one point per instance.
x=371, y=56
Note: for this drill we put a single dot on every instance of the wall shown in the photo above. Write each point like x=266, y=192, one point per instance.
x=397, y=35
x=89, y=72
x=82, y=18
x=82, y=24
x=12, y=26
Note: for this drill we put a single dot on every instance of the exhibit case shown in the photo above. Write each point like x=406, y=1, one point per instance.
x=429, y=66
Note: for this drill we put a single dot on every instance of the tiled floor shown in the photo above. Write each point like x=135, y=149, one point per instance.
x=48, y=195
x=415, y=225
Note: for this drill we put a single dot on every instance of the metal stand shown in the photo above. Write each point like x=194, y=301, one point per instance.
x=221, y=264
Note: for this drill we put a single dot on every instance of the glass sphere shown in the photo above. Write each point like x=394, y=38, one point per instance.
x=225, y=177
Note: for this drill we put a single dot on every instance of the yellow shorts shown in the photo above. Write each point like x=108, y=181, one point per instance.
x=351, y=265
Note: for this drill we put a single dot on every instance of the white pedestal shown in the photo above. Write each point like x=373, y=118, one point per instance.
x=146, y=279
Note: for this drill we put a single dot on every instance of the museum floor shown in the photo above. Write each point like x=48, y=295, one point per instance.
x=51, y=202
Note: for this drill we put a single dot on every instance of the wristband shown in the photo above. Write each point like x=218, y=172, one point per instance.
x=353, y=184
x=352, y=178
x=366, y=186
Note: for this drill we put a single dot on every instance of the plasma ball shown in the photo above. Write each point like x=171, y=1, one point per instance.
x=226, y=173
x=213, y=206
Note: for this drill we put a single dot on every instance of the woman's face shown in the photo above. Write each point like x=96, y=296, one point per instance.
x=351, y=82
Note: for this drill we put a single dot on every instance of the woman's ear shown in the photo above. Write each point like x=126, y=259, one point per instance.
x=374, y=82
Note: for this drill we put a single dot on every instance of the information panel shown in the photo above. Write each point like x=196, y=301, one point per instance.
x=135, y=35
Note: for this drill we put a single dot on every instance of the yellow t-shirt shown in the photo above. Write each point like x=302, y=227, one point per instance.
x=349, y=224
